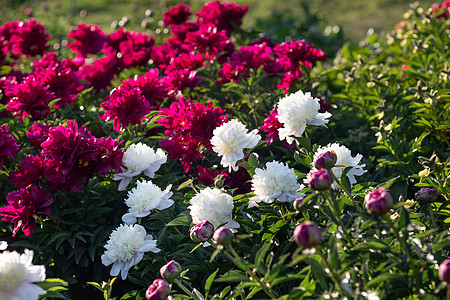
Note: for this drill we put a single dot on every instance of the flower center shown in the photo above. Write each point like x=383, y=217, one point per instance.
x=12, y=274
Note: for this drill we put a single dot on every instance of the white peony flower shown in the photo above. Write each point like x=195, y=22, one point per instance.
x=344, y=157
x=297, y=110
x=17, y=275
x=137, y=159
x=229, y=141
x=276, y=182
x=214, y=206
x=126, y=247
x=145, y=197
x=3, y=245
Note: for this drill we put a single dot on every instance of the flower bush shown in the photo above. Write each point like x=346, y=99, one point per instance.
x=230, y=164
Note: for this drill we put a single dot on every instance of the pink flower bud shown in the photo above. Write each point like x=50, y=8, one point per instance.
x=158, y=290
x=325, y=160
x=444, y=271
x=201, y=232
x=379, y=201
x=426, y=195
x=223, y=236
x=170, y=271
x=307, y=234
x=320, y=180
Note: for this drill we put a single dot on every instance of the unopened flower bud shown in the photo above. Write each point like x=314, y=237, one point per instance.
x=223, y=236
x=444, y=271
x=219, y=181
x=426, y=195
x=379, y=201
x=170, y=271
x=320, y=180
x=202, y=232
x=158, y=290
x=325, y=160
x=297, y=204
x=307, y=234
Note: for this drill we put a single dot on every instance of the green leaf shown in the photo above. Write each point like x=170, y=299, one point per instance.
x=372, y=245
x=318, y=272
x=233, y=276
x=186, y=184
x=180, y=221
x=385, y=277
x=209, y=282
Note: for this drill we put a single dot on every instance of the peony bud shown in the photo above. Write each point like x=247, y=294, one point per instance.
x=320, y=180
x=297, y=204
x=325, y=160
x=444, y=271
x=170, y=271
x=307, y=234
x=223, y=236
x=158, y=290
x=426, y=195
x=202, y=232
x=379, y=201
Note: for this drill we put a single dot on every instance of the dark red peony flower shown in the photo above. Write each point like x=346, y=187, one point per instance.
x=225, y=16
x=8, y=145
x=125, y=105
x=30, y=97
x=291, y=54
x=163, y=54
x=150, y=85
x=177, y=15
x=29, y=39
x=189, y=61
x=178, y=80
x=113, y=40
x=6, y=32
x=101, y=72
x=109, y=156
x=29, y=172
x=271, y=126
x=253, y=56
x=23, y=205
x=231, y=73
x=89, y=39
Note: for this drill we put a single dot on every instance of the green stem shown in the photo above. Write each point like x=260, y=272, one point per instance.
x=186, y=290
x=327, y=196
x=431, y=213
x=334, y=276
x=349, y=195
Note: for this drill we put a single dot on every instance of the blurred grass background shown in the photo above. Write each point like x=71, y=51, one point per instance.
x=354, y=17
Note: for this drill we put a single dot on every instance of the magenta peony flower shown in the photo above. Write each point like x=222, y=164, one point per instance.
x=379, y=201
x=150, y=86
x=23, y=204
x=209, y=41
x=189, y=61
x=109, y=155
x=252, y=56
x=125, y=105
x=291, y=54
x=158, y=290
x=230, y=73
x=225, y=16
x=8, y=145
x=113, y=40
x=202, y=231
x=441, y=11
x=162, y=55
x=325, y=160
x=29, y=172
x=320, y=180
x=178, y=80
x=89, y=39
x=101, y=72
x=177, y=15
x=271, y=127
x=136, y=49
x=38, y=133
x=29, y=39
x=31, y=97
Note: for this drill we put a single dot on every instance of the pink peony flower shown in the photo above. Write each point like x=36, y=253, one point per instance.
x=8, y=145
x=23, y=204
x=89, y=39
x=125, y=105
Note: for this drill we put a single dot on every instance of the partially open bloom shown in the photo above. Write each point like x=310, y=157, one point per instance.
x=307, y=234
x=379, y=201
x=297, y=110
x=320, y=180
x=444, y=271
x=214, y=206
x=137, y=159
x=344, y=160
x=126, y=248
x=18, y=274
x=158, y=290
x=145, y=197
x=276, y=182
x=202, y=231
x=229, y=141
x=325, y=160
x=170, y=271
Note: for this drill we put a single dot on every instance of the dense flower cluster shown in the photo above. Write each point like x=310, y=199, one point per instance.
x=8, y=145
x=89, y=39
